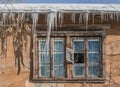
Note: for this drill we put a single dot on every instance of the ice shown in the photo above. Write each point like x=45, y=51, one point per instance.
x=51, y=24
x=93, y=19
x=80, y=18
x=102, y=16
x=73, y=17
x=87, y=15
x=61, y=16
x=35, y=21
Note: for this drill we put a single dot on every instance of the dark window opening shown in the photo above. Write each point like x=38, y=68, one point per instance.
x=78, y=57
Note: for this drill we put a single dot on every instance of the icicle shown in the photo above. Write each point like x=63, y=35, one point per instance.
x=80, y=18
x=102, y=16
x=73, y=17
x=114, y=17
x=93, y=19
x=22, y=17
x=12, y=18
x=87, y=13
x=117, y=16
x=111, y=16
x=107, y=17
x=17, y=21
x=85, y=17
x=61, y=16
x=27, y=17
x=51, y=22
x=4, y=16
x=35, y=20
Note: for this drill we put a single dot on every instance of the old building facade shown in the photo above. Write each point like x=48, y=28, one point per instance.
x=60, y=46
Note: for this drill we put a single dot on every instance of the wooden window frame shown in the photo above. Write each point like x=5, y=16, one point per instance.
x=67, y=77
x=86, y=39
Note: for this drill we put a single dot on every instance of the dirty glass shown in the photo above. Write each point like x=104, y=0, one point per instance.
x=79, y=57
x=44, y=59
x=58, y=57
x=93, y=57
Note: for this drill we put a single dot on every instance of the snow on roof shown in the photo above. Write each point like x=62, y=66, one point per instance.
x=59, y=7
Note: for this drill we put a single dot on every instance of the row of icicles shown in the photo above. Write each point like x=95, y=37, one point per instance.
x=18, y=26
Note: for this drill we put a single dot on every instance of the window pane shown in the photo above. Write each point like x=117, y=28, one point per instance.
x=93, y=57
x=78, y=46
x=43, y=46
x=45, y=71
x=93, y=45
x=94, y=71
x=78, y=57
x=58, y=58
x=79, y=70
x=58, y=71
x=44, y=58
x=58, y=45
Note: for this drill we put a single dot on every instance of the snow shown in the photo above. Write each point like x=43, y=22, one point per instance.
x=58, y=7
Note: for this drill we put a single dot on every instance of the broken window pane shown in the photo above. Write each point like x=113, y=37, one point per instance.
x=78, y=57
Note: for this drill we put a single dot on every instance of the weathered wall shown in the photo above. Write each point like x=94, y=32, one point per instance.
x=8, y=70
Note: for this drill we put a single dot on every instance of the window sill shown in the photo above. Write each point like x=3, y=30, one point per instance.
x=69, y=80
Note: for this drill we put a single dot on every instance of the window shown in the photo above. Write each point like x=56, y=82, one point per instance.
x=51, y=65
x=85, y=58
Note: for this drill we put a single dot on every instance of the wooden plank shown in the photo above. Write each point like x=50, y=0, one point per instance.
x=65, y=62
x=51, y=58
x=86, y=57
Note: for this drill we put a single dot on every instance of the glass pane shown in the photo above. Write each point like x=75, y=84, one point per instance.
x=58, y=45
x=79, y=70
x=58, y=58
x=45, y=71
x=93, y=46
x=78, y=46
x=44, y=58
x=58, y=71
x=43, y=46
x=78, y=57
x=93, y=57
x=94, y=71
